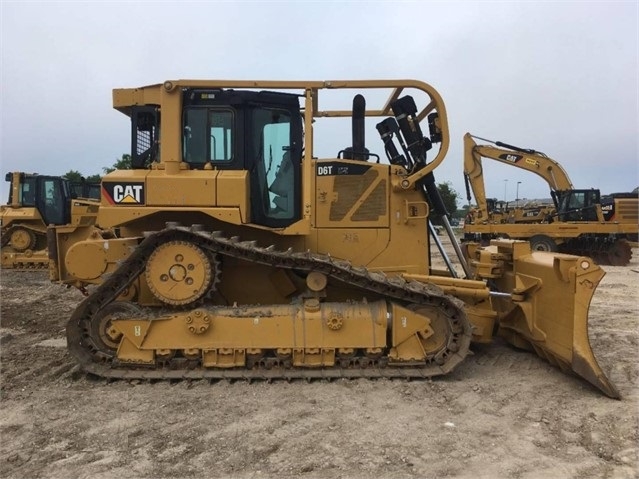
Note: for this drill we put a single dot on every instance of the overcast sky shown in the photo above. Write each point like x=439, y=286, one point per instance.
x=559, y=77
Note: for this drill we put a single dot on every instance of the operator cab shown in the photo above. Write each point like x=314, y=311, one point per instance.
x=259, y=132
x=577, y=205
x=50, y=195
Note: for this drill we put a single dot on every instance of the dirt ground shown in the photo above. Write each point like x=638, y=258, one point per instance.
x=502, y=414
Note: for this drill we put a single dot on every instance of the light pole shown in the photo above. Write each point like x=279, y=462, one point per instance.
x=517, y=195
x=505, y=189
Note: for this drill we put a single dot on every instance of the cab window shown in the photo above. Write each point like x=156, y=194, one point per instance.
x=53, y=204
x=28, y=192
x=276, y=178
x=208, y=136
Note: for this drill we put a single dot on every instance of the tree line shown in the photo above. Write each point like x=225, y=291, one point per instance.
x=75, y=176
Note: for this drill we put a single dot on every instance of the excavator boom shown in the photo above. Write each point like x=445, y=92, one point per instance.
x=578, y=223
x=530, y=160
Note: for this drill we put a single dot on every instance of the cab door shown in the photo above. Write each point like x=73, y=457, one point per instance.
x=53, y=200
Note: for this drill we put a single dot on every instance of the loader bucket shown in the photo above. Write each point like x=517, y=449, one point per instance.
x=548, y=309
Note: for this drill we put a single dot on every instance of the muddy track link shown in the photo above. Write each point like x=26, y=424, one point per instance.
x=92, y=360
x=6, y=235
x=26, y=266
x=617, y=253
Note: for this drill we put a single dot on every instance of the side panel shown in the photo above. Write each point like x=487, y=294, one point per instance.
x=351, y=194
x=626, y=210
x=233, y=191
x=27, y=216
x=124, y=187
x=188, y=188
x=131, y=195
x=354, y=209
x=359, y=246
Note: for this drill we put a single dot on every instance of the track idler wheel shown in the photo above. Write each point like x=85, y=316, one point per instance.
x=437, y=345
x=179, y=273
x=22, y=239
x=105, y=337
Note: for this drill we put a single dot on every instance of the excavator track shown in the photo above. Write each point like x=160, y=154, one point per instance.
x=85, y=346
x=616, y=253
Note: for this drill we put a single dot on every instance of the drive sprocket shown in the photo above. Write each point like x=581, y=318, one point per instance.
x=179, y=273
x=22, y=239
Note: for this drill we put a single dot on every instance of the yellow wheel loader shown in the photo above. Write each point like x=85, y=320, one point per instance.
x=581, y=221
x=243, y=253
x=36, y=201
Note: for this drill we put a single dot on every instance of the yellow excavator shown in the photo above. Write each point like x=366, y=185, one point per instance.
x=240, y=253
x=36, y=201
x=581, y=221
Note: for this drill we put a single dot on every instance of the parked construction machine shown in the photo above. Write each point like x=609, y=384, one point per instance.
x=36, y=201
x=581, y=221
x=499, y=211
x=242, y=254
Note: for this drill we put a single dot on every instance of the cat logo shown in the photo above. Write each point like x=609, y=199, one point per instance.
x=510, y=157
x=124, y=193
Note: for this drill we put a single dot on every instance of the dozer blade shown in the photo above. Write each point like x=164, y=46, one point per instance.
x=548, y=313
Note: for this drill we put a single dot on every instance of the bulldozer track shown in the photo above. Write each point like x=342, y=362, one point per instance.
x=5, y=237
x=94, y=360
x=30, y=267
x=29, y=260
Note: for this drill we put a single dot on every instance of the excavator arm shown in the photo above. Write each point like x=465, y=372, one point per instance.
x=530, y=160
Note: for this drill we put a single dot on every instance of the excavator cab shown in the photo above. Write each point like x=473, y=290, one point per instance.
x=577, y=205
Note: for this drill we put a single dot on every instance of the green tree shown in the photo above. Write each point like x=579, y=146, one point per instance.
x=123, y=163
x=94, y=179
x=462, y=212
x=449, y=197
x=73, y=176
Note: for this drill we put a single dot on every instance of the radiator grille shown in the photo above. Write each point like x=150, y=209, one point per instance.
x=350, y=188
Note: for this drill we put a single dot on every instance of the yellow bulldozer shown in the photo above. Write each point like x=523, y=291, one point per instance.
x=580, y=221
x=241, y=253
x=36, y=201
